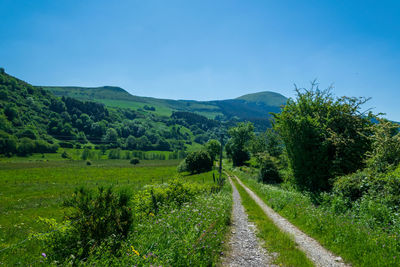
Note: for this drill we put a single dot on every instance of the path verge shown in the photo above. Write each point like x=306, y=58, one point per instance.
x=244, y=247
x=318, y=254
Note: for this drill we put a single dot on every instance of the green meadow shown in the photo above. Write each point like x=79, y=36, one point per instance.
x=34, y=188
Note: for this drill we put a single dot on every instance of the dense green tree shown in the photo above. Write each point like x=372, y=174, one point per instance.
x=237, y=147
x=26, y=146
x=42, y=146
x=11, y=112
x=5, y=125
x=131, y=142
x=143, y=143
x=269, y=172
x=111, y=136
x=163, y=145
x=213, y=148
x=198, y=161
x=30, y=133
x=324, y=136
x=8, y=144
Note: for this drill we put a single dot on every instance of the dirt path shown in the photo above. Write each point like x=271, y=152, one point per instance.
x=244, y=246
x=319, y=255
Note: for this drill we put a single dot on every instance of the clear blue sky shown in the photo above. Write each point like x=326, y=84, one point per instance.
x=206, y=50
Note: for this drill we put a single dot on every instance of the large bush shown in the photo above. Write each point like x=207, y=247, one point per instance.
x=198, y=161
x=269, y=172
x=26, y=146
x=353, y=186
x=385, y=146
x=97, y=217
x=324, y=137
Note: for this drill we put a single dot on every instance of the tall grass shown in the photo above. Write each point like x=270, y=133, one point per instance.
x=29, y=190
x=344, y=234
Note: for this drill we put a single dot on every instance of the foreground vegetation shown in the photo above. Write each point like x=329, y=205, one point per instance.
x=35, y=190
x=350, y=234
x=275, y=241
x=332, y=169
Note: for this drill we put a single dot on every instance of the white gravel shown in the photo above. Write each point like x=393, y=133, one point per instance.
x=315, y=252
x=245, y=249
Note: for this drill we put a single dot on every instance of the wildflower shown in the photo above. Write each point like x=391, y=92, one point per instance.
x=44, y=255
x=151, y=214
x=134, y=250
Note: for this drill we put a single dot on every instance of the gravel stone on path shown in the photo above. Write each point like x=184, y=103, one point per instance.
x=314, y=251
x=245, y=249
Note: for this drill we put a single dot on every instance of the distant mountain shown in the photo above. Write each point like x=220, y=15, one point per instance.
x=251, y=107
x=267, y=98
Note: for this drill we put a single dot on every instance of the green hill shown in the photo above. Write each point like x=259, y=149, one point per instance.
x=37, y=119
x=267, y=98
x=252, y=107
x=33, y=120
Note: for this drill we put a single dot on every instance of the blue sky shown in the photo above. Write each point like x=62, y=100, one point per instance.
x=207, y=50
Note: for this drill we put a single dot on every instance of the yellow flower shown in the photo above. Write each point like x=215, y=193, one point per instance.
x=151, y=214
x=134, y=250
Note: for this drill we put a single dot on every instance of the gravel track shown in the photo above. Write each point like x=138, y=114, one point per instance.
x=314, y=251
x=245, y=249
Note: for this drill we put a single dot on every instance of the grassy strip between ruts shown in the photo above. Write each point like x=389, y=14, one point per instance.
x=275, y=240
x=343, y=234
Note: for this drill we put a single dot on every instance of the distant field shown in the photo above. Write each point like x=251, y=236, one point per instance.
x=30, y=189
x=160, y=110
x=75, y=154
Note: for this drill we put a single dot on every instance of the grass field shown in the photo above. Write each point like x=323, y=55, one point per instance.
x=30, y=189
x=75, y=154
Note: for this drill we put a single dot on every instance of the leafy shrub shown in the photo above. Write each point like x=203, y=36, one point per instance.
x=198, y=161
x=96, y=218
x=66, y=145
x=44, y=147
x=135, y=161
x=182, y=166
x=88, y=163
x=324, y=137
x=269, y=172
x=26, y=146
x=86, y=154
x=383, y=188
x=8, y=144
x=176, y=192
x=190, y=236
x=353, y=186
x=385, y=146
x=114, y=154
x=65, y=155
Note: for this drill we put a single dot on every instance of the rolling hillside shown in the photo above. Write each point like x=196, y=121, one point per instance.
x=252, y=107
